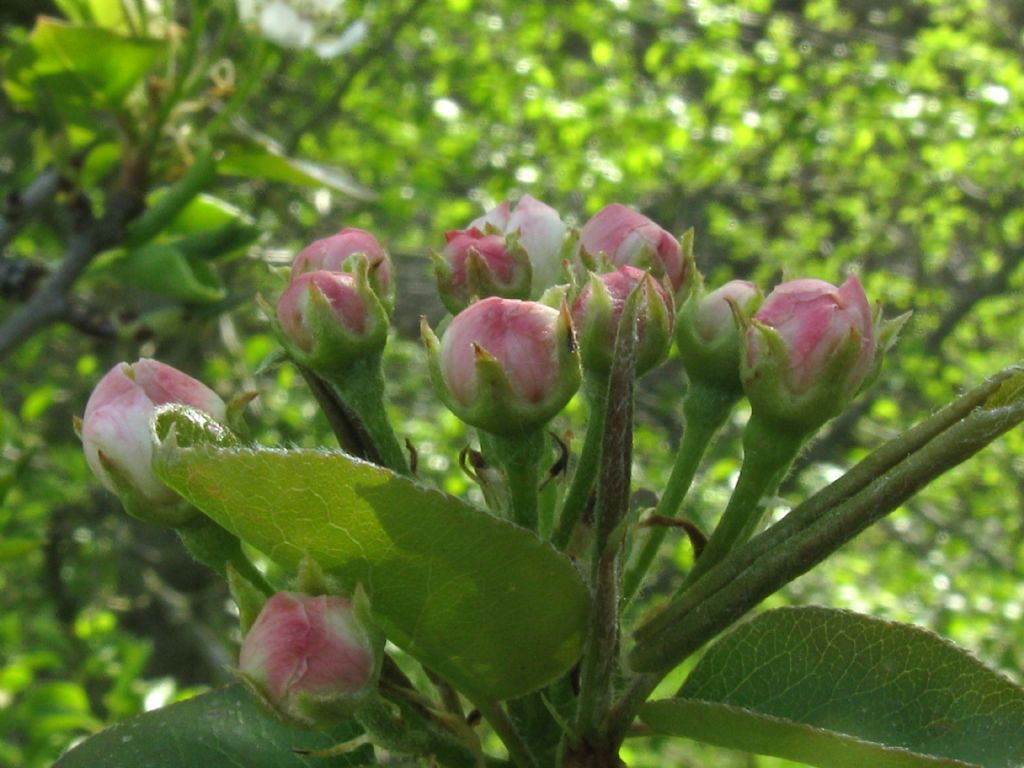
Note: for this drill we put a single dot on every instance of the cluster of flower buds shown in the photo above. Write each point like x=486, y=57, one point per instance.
x=118, y=435
x=507, y=364
x=337, y=306
x=311, y=659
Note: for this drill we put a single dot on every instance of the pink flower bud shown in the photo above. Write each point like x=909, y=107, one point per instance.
x=340, y=252
x=310, y=658
x=331, y=319
x=474, y=264
x=505, y=366
x=597, y=312
x=539, y=231
x=708, y=334
x=626, y=236
x=808, y=350
x=117, y=433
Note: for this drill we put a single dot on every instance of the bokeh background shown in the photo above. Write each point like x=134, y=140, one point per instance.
x=797, y=137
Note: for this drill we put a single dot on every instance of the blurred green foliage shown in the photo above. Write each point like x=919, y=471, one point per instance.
x=798, y=137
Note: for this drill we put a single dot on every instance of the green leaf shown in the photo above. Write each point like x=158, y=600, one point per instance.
x=264, y=163
x=225, y=727
x=79, y=66
x=206, y=227
x=166, y=270
x=739, y=728
x=484, y=603
x=104, y=13
x=206, y=212
x=827, y=687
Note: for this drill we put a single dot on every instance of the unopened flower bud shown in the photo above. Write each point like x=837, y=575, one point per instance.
x=540, y=232
x=313, y=660
x=118, y=435
x=708, y=334
x=344, y=252
x=807, y=351
x=331, y=319
x=505, y=366
x=478, y=265
x=598, y=311
x=627, y=237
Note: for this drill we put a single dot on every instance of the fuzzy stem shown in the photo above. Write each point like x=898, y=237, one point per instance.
x=596, y=390
x=767, y=455
x=519, y=456
x=362, y=389
x=705, y=410
x=600, y=661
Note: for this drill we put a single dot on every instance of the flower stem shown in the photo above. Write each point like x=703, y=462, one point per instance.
x=596, y=390
x=767, y=455
x=600, y=662
x=362, y=390
x=519, y=456
x=502, y=724
x=705, y=410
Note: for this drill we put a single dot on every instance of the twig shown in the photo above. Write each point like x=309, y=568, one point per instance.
x=50, y=303
x=20, y=207
x=816, y=528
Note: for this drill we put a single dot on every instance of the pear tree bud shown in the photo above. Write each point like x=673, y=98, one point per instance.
x=807, y=351
x=118, y=437
x=505, y=366
x=332, y=319
x=539, y=231
x=475, y=265
x=312, y=659
x=708, y=334
x=626, y=237
x=344, y=252
x=598, y=309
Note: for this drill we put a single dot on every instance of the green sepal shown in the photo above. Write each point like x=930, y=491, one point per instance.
x=310, y=578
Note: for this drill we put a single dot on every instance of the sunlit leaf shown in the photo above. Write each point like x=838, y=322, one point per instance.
x=166, y=270
x=483, y=602
x=258, y=163
x=79, y=67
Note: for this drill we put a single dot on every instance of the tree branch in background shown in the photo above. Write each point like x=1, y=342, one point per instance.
x=20, y=207
x=329, y=104
x=51, y=303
